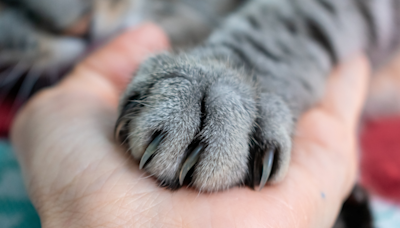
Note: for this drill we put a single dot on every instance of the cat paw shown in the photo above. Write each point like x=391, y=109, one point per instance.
x=208, y=127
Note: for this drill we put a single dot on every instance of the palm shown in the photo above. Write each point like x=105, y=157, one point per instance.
x=79, y=175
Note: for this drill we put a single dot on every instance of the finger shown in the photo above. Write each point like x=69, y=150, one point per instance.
x=325, y=147
x=116, y=62
x=346, y=91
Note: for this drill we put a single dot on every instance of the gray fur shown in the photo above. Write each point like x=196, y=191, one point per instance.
x=56, y=14
x=22, y=45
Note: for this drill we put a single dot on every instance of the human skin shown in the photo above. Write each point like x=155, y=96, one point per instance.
x=78, y=176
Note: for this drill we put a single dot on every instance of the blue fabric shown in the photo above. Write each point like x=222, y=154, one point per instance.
x=386, y=214
x=16, y=210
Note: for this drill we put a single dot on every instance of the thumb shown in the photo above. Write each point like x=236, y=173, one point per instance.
x=111, y=67
x=346, y=91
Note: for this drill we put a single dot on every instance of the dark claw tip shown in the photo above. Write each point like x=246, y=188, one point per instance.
x=189, y=163
x=122, y=122
x=267, y=167
x=151, y=149
x=118, y=127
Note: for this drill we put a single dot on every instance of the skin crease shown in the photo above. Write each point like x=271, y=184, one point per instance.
x=77, y=176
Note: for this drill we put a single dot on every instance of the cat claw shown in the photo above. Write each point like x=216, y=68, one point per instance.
x=151, y=149
x=267, y=167
x=189, y=163
x=122, y=122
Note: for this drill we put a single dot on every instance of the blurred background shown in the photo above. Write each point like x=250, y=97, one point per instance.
x=41, y=40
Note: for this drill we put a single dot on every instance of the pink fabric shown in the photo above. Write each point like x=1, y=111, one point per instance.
x=380, y=162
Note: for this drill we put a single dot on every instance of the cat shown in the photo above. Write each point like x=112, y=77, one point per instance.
x=220, y=114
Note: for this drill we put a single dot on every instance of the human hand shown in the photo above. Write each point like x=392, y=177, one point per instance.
x=77, y=175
